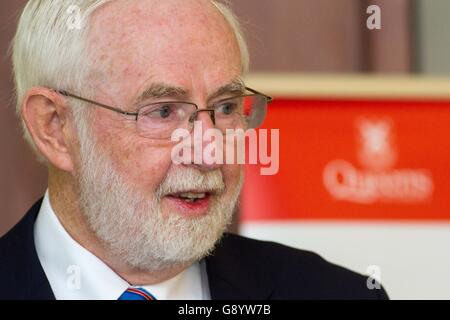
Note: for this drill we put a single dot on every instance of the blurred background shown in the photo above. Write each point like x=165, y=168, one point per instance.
x=364, y=118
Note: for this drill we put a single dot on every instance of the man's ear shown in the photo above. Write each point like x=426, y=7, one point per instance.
x=47, y=120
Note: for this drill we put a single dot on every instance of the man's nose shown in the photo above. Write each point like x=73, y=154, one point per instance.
x=207, y=117
x=202, y=157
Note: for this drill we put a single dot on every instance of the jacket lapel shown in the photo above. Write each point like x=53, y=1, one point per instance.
x=26, y=277
x=234, y=276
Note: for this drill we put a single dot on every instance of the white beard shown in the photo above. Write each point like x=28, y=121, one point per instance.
x=131, y=224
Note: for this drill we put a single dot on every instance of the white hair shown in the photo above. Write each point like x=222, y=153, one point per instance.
x=235, y=24
x=50, y=49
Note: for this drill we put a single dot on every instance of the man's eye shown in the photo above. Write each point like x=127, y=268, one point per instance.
x=162, y=112
x=227, y=108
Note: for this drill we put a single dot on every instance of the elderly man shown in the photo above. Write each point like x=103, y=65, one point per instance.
x=101, y=85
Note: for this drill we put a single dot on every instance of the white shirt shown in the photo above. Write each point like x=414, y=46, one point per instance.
x=74, y=273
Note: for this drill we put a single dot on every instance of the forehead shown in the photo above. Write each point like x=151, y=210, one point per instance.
x=173, y=39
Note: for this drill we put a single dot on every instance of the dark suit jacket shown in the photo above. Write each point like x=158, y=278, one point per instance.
x=239, y=268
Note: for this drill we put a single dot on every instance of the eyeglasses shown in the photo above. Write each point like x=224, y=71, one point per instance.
x=159, y=120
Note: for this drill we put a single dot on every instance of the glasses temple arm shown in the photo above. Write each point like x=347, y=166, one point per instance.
x=269, y=98
x=67, y=94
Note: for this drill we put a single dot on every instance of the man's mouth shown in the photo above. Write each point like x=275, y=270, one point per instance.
x=190, y=202
x=190, y=196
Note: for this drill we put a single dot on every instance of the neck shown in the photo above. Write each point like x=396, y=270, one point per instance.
x=64, y=201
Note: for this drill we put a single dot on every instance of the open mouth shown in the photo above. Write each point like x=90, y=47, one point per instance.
x=190, y=197
x=190, y=203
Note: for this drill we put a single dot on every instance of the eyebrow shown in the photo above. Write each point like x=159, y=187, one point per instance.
x=161, y=90
x=236, y=86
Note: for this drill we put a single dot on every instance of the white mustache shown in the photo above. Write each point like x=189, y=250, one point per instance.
x=189, y=179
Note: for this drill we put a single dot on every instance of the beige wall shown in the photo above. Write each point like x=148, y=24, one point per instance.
x=327, y=35
x=433, y=28
x=22, y=180
x=284, y=35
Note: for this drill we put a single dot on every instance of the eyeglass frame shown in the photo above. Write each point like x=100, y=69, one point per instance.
x=136, y=114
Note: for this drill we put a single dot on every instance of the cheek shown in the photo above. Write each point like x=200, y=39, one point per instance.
x=231, y=175
x=143, y=163
x=147, y=166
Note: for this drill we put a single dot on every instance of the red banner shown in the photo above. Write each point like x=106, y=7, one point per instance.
x=354, y=159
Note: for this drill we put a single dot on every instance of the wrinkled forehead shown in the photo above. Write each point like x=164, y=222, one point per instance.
x=127, y=38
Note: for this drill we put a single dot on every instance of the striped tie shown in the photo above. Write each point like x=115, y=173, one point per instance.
x=136, y=294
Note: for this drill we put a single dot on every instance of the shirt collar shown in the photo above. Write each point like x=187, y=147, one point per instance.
x=74, y=273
